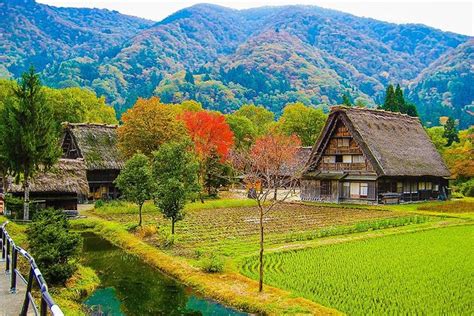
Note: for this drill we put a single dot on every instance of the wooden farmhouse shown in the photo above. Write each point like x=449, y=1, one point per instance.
x=96, y=144
x=373, y=156
x=61, y=187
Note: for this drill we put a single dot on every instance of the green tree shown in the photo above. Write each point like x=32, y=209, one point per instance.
x=436, y=135
x=303, y=121
x=175, y=171
x=216, y=173
x=411, y=110
x=390, y=100
x=260, y=116
x=53, y=246
x=188, y=77
x=30, y=137
x=135, y=181
x=244, y=130
x=346, y=100
x=400, y=105
x=450, y=132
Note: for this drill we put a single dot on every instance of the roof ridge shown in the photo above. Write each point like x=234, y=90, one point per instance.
x=338, y=108
x=87, y=124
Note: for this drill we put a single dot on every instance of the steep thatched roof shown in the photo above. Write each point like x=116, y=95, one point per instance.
x=302, y=156
x=97, y=145
x=396, y=144
x=67, y=176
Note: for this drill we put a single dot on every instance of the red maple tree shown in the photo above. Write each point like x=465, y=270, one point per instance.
x=209, y=131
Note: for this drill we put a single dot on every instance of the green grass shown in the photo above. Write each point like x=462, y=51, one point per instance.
x=122, y=207
x=427, y=272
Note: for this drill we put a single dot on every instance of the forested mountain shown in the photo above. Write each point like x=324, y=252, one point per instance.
x=225, y=58
x=43, y=35
x=446, y=87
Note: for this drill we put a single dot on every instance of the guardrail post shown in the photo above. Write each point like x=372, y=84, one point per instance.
x=26, y=303
x=13, y=274
x=7, y=257
x=44, y=306
x=3, y=244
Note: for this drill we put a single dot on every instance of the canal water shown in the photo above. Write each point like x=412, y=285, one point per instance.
x=131, y=287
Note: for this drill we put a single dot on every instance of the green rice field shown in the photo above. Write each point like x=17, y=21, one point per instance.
x=429, y=272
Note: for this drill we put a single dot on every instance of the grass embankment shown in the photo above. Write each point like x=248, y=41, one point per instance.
x=232, y=289
x=78, y=287
x=122, y=207
x=418, y=273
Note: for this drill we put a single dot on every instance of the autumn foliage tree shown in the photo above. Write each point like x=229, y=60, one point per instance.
x=211, y=135
x=147, y=125
x=273, y=162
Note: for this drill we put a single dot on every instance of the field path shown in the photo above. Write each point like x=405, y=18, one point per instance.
x=10, y=304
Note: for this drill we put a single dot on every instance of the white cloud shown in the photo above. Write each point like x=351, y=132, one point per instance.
x=454, y=16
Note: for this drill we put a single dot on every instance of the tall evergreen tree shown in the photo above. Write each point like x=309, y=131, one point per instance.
x=390, y=102
x=450, y=132
x=30, y=138
x=346, y=100
x=400, y=105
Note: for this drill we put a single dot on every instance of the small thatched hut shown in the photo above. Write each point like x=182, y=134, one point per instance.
x=97, y=145
x=373, y=156
x=62, y=187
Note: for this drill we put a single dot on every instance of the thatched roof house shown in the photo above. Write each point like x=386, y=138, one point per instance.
x=96, y=144
x=61, y=187
x=378, y=151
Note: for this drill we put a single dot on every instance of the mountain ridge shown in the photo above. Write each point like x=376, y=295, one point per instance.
x=269, y=55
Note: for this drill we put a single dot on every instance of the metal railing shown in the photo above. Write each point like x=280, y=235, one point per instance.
x=10, y=253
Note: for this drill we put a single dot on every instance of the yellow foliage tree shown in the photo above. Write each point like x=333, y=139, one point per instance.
x=147, y=125
x=460, y=156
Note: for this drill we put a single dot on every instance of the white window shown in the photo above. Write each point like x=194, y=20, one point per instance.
x=413, y=187
x=428, y=185
x=363, y=189
x=399, y=187
x=421, y=186
x=347, y=159
x=436, y=187
x=355, y=189
x=343, y=142
x=406, y=187
x=358, y=159
x=329, y=159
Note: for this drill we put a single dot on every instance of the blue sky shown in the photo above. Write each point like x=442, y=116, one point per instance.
x=455, y=16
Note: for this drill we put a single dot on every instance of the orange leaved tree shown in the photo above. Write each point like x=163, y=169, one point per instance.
x=271, y=163
x=211, y=136
x=147, y=125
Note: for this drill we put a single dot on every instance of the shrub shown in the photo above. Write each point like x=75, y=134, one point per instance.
x=99, y=203
x=53, y=246
x=146, y=231
x=212, y=264
x=467, y=188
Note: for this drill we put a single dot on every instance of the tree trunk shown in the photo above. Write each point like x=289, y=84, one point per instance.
x=140, y=214
x=172, y=226
x=275, y=194
x=260, y=281
x=26, y=203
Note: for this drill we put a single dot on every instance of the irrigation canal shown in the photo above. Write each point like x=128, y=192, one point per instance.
x=131, y=287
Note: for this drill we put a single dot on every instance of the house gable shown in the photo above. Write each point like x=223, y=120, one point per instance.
x=340, y=149
x=343, y=153
x=69, y=146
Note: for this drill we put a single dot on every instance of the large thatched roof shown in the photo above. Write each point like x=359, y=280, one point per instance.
x=302, y=156
x=97, y=145
x=67, y=176
x=396, y=144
